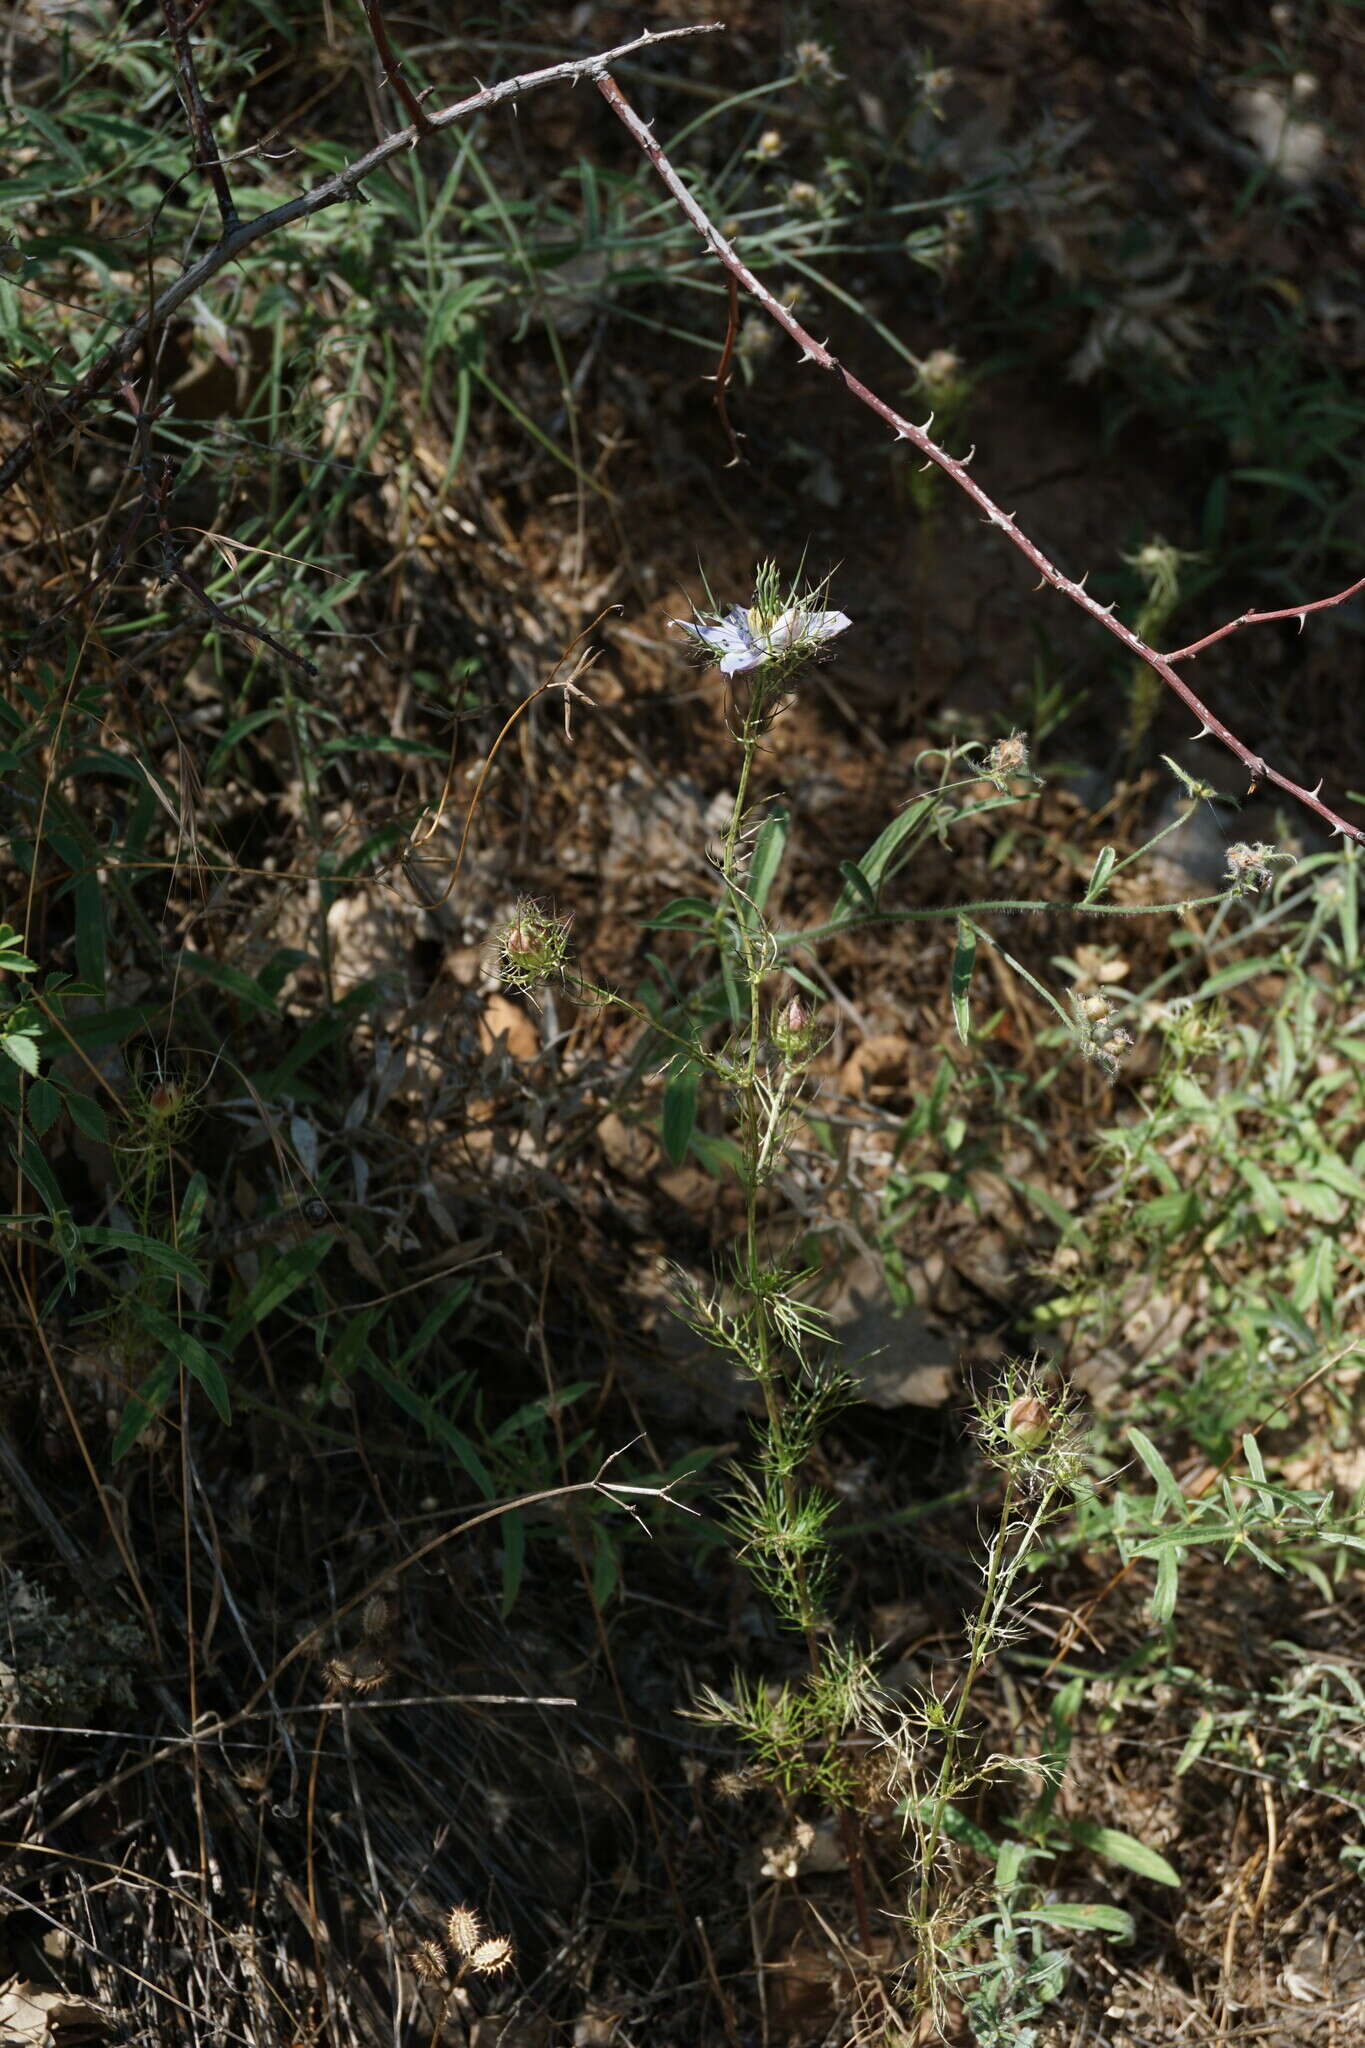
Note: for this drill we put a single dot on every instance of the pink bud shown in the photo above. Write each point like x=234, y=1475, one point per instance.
x=1027, y=1423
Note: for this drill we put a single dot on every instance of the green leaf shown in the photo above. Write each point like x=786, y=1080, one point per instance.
x=680, y=1110
x=44, y=1107
x=22, y=1049
x=433, y=1323
x=1047, y=1205
x=1316, y=1285
x=858, y=891
x=1169, y=1214
x=1231, y=977
x=12, y=961
x=1010, y=1859
x=192, y=1206
x=352, y=1344
x=1165, y=1592
x=693, y=911
x=1099, y=875
x=237, y=732
x=88, y=1116
x=1270, y=1209
x=279, y=1280
x=1196, y=1742
x=1167, y=1485
x=437, y=1427
x=956, y=1825
x=1327, y=1167
x=103, y=1027
x=1283, y=480
x=1188, y=1537
x=231, y=980
x=865, y=877
x=1053, y=1761
x=90, y=932
x=1316, y=1198
x=143, y=1406
x=1084, y=1919
x=964, y=960
x=1116, y=1846
x=164, y=1257
x=1278, y=1313
x=606, y=1565
x=190, y=1353
x=768, y=851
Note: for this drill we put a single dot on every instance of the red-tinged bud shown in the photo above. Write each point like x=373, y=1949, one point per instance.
x=1027, y=1423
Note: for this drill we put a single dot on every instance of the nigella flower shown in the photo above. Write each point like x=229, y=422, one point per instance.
x=730, y=639
x=743, y=639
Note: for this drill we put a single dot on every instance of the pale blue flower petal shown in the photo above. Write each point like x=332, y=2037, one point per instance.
x=729, y=639
x=797, y=626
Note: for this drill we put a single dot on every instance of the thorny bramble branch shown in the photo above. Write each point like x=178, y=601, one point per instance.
x=206, y=155
x=238, y=235
x=812, y=351
x=1293, y=611
x=342, y=186
x=393, y=67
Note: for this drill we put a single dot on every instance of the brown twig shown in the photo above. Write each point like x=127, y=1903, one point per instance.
x=393, y=67
x=724, y=371
x=206, y=154
x=334, y=191
x=1293, y=611
x=812, y=351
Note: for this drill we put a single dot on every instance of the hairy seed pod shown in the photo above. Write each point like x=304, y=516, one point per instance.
x=464, y=1929
x=428, y=1961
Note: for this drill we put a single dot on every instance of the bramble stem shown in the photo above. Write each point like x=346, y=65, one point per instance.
x=812, y=351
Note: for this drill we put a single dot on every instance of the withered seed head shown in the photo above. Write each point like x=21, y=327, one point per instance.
x=364, y=1671
x=491, y=1956
x=428, y=1961
x=464, y=1930
x=376, y=1616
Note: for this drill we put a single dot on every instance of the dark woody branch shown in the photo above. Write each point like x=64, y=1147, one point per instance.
x=206, y=155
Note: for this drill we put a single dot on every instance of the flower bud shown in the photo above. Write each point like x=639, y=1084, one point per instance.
x=793, y=1031
x=1027, y=1423
x=533, y=947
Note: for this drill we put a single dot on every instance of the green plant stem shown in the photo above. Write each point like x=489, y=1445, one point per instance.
x=1002, y=1565
x=756, y=1145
